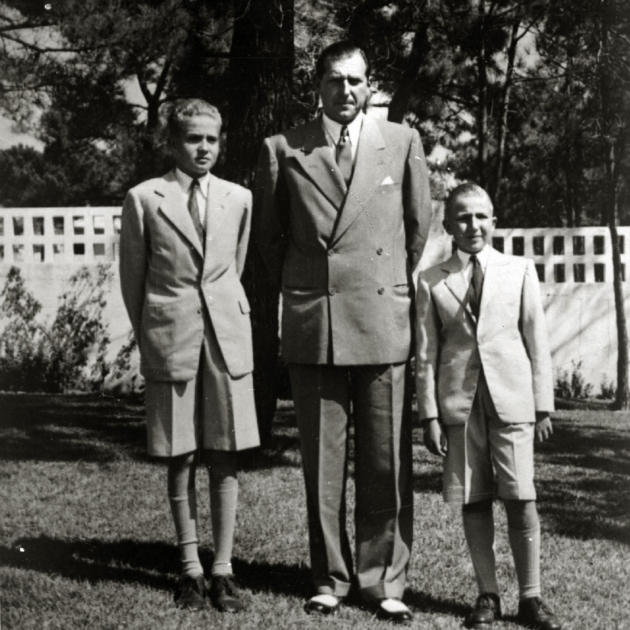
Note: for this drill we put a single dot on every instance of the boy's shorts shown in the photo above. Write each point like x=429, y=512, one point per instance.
x=212, y=412
x=485, y=440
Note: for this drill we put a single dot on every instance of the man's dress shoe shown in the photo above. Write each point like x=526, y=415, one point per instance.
x=326, y=605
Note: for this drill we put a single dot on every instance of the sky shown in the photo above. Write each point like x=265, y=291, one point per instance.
x=8, y=137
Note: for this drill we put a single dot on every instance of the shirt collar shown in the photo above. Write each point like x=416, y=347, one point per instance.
x=333, y=129
x=482, y=256
x=184, y=182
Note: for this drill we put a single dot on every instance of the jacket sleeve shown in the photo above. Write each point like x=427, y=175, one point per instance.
x=271, y=205
x=417, y=201
x=243, y=236
x=427, y=352
x=534, y=330
x=134, y=247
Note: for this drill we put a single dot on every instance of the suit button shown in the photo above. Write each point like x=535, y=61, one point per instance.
x=379, y=251
x=331, y=252
x=381, y=291
x=199, y=311
x=331, y=292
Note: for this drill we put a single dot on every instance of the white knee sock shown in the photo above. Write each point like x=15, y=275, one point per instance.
x=223, y=499
x=183, y=500
x=525, y=546
x=479, y=532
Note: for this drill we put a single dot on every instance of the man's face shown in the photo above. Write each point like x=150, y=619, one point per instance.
x=196, y=145
x=471, y=223
x=344, y=88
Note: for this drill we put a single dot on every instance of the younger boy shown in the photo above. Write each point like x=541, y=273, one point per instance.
x=182, y=250
x=485, y=390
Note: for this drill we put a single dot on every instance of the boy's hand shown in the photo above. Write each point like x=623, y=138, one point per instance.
x=543, y=428
x=435, y=437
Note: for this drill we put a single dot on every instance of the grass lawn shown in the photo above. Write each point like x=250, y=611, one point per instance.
x=86, y=539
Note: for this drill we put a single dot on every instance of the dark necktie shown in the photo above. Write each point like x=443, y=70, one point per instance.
x=193, y=208
x=344, y=154
x=476, y=286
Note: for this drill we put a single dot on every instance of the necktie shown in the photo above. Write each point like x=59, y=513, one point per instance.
x=193, y=208
x=344, y=154
x=476, y=286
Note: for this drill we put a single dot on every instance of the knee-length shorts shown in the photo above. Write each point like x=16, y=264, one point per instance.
x=213, y=411
x=488, y=457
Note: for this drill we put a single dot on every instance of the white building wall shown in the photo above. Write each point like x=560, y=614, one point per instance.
x=49, y=244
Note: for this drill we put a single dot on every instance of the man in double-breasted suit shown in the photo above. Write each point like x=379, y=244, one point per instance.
x=182, y=250
x=342, y=211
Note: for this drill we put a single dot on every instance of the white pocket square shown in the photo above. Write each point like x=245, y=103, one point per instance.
x=388, y=180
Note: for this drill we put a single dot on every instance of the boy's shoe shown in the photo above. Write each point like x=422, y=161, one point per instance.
x=191, y=591
x=535, y=614
x=487, y=610
x=224, y=594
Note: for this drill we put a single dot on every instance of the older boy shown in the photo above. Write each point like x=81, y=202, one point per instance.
x=485, y=390
x=182, y=249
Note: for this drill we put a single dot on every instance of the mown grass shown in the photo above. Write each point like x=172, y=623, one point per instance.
x=86, y=539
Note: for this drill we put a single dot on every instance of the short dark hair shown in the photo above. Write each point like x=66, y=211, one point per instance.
x=183, y=108
x=467, y=189
x=340, y=50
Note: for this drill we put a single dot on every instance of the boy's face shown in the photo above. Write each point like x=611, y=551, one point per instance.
x=196, y=145
x=471, y=223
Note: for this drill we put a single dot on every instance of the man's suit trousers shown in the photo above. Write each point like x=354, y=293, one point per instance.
x=324, y=396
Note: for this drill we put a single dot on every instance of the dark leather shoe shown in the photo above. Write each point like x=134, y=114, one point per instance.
x=399, y=617
x=224, y=594
x=191, y=591
x=535, y=614
x=314, y=607
x=487, y=610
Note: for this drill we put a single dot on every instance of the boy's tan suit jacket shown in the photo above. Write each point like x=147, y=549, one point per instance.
x=171, y=282
x=508, y=341
x=344, y=257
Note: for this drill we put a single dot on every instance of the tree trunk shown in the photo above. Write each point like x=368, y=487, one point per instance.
x=399, y=104
x=482, y=99
x=612, y=157
x=260, y=81
x=503, y=114
x=622, y=398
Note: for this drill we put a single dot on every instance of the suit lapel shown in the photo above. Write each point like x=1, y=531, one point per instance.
x=457, y=283
x=174, y=209
x=369, y=171
x=494, y=277
x=217, y=207
x=316, y=159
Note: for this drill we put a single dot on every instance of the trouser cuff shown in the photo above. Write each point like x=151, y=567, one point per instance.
x=331, y=587
x=383, y=590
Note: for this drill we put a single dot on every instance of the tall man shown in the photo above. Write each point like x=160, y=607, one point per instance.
x=342, y=213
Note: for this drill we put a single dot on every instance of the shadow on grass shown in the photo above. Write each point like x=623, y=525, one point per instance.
x=590, y=496
x=69, y=428
x=154, y=564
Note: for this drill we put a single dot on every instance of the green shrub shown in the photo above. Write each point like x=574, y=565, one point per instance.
x=573, y=385
x=608, y=390
x=67, y=355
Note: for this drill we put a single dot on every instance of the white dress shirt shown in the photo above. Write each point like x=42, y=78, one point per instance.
x=184, y=182
x=482, y=257
x=333, y=131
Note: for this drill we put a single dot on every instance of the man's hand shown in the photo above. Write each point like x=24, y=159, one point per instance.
x=435, y=437
x=544, y=430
